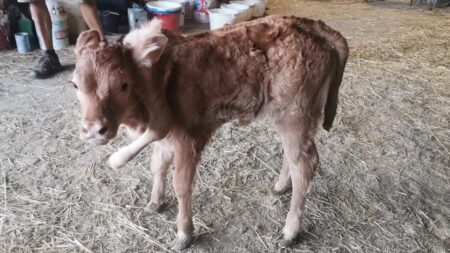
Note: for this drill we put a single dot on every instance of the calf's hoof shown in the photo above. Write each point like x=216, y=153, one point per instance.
x=181, y=242
x=156, y=207
x=115, y=161
x=285, y=243
x=280, y=191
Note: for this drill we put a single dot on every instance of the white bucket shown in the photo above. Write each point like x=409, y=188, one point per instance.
x=218, y=18
x=238, y=16
x=240, y=8
x=250, y=3
x=60, y=26
x=260, y=8
x=168, y=12
x=184, y=6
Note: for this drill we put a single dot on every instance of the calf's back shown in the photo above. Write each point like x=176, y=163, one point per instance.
x=254, y=69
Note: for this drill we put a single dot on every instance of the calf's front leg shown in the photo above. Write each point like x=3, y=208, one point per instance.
x=160, y=162
x=187, y=157
x=125, y=154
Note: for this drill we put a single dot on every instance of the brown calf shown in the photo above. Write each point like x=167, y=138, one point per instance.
x=176, y=91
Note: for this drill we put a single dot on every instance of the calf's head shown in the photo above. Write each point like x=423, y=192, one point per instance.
x=105, y=77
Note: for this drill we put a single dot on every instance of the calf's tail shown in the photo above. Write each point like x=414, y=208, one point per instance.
x=338, y=42
x=340, y=45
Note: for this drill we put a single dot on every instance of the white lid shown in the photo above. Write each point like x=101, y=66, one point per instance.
x=164, y=6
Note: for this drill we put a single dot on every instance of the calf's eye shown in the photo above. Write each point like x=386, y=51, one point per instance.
x=75, y=86
x=124, y=87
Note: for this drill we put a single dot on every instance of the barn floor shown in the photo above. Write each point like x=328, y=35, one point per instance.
x=382, y=186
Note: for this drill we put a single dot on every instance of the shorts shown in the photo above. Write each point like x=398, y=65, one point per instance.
x=37, y=1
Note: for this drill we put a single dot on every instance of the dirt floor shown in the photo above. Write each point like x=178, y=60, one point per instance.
x=382, y=186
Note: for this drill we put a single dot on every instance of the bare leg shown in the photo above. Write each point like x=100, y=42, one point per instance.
x=303, y=159
x=41, y=18
x=284, y=180
x=89, y=13
x=161, y=160
x=187, y=156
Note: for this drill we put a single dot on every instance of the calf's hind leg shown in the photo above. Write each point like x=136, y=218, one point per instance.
x=302, y=157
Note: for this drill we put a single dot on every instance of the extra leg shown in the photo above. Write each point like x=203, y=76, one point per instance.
x=160, y=162
x=284, y=180
x=303, y=159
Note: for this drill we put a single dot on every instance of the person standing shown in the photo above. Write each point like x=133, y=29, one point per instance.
x=49, y=62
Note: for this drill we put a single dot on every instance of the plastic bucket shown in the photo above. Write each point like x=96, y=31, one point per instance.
x=260, y=8
x=184, y=5
x=60, y=34
x=60, y=26
x=26, y=26
x=23, y=42
x=218, y=18
x=168, y=12
x=247, y=12
x=238, y=16
x=250, y=3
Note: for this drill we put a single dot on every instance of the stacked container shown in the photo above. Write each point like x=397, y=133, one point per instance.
x=235, y=12
x=60, y=26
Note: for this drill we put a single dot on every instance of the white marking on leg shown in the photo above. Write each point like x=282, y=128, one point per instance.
x=132, y=133
x=125, y=154
x=161, y=159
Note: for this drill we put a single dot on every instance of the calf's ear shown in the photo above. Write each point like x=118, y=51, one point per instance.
x=87, y=39
x=146, y=43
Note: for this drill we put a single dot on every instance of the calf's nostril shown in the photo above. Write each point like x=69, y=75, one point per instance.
x=84, y=130
x=103, y=130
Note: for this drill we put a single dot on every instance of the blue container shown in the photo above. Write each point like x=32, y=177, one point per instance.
x=23, y=42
